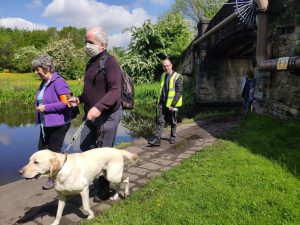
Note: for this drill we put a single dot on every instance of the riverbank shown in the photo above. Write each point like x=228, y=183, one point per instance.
x=26, y=203
x=248, y=176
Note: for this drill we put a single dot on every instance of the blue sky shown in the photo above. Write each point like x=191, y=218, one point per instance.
x=113, y=15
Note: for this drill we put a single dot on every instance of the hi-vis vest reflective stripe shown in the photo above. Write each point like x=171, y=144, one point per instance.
x=171, y=92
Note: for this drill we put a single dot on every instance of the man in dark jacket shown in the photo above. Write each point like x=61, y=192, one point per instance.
x=101, y=97
x=170, y=99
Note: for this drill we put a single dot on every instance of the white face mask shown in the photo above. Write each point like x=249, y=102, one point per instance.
x=92, y=49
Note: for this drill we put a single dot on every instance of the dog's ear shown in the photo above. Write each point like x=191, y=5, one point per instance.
x=54, y=166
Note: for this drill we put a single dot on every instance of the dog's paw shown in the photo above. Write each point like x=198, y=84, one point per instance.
x=90, y=217
x=55, y=223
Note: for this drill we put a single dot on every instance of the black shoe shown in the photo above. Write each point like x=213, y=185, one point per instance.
x=104, y=196
x=154, y=142
x=97, y=199
x=172, y=140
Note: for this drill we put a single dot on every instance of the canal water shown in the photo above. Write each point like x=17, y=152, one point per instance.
x=19, y=138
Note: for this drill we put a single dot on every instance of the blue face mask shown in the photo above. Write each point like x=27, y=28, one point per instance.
x=92, y=49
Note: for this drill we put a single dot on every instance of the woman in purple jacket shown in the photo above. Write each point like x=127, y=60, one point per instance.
x=52, y=111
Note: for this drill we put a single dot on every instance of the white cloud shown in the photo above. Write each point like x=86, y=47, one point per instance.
x=21, y=24
x=119, y=40
x=89, y=13
x=34, y=4
x=4, y=139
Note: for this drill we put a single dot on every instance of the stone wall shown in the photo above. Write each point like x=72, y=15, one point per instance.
x=221, y=81
x=219, y=78
x=278, y=93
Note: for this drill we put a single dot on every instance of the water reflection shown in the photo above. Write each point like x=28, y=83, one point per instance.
x=19, y=139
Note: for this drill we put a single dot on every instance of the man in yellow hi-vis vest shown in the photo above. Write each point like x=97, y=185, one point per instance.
x=170, y=99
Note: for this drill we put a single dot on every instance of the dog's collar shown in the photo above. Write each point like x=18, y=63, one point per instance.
x=66, y=157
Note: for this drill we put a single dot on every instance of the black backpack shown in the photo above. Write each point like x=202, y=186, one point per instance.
x=127, y=91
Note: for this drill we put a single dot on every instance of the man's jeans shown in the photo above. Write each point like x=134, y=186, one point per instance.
x=247, y=104
x=101, y=132
x=165, y=115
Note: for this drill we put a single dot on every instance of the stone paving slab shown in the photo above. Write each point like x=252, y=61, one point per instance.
x=24, y=202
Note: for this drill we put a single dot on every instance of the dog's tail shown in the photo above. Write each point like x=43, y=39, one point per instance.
x=131, y=156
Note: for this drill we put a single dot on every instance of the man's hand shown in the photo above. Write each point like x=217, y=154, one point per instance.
x=73, y=101
x=171, y=109
x=93, y=114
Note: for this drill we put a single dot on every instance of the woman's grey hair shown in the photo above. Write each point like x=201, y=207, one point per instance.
x=44, y=61
x=101, y=36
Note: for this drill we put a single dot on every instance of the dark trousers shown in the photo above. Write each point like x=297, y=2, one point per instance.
x=54, y=137
x=166, y=116
x=101, y=133
x=247, y=103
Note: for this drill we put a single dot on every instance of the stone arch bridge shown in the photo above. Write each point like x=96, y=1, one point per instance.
x=225, y=47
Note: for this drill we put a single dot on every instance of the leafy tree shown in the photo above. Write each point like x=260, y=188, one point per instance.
x=39, y=38
x=23, y=58
x=12, y=40
x=117, y=52
x=151, y=43
x=195, y=10
x=7, y=49
x=77, y=35
x=145, y=51
x=69, y=61
x=175, y=30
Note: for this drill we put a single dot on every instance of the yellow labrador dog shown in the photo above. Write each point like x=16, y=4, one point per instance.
x=74, y=173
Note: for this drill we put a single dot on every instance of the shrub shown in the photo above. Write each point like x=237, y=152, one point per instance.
x=69, y=61
x=23, y=58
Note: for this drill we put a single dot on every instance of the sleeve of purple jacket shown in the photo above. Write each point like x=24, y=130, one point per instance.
x=61, y=88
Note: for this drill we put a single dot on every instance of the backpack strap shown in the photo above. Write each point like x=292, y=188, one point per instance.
x=102, y=63
x=101, y=70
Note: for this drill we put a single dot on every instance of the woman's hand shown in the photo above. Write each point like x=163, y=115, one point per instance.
x=40, y=108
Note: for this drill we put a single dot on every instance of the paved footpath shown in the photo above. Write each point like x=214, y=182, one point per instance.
x=24, y=201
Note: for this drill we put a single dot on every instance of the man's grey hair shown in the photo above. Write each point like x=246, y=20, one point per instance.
x=101, y=36
x=44, y=61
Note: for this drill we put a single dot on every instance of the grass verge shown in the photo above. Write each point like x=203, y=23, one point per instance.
x=21, y=88
x=240, y=180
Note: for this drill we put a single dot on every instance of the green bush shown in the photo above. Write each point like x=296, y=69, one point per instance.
x=153, y=42
x=23, y=58
x=69, y=61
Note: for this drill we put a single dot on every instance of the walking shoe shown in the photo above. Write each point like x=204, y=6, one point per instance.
x=154, y=142
x=172, y=140
x=49, y=184
x=104, y=196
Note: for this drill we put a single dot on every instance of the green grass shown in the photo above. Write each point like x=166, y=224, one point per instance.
x=205, y=115
x=240, y=180
x=147, y=92
x=21, y=88
x=274, y=139
x=123, y=145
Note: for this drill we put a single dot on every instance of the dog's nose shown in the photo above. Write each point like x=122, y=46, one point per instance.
x=21, y=172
